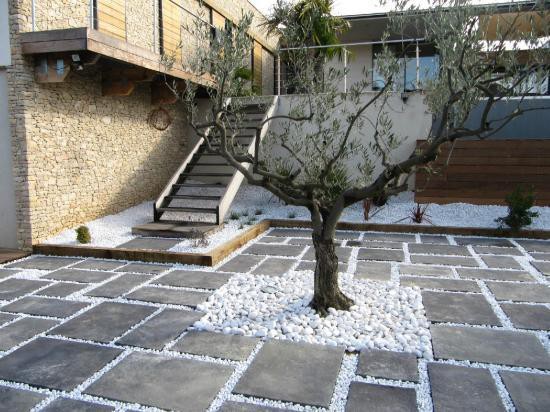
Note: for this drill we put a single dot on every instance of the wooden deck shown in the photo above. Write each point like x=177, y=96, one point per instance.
x=7, y=255
x=83, y=39
x=484, y=172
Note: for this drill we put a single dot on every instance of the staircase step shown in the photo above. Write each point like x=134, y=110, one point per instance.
x=193, y=197
x=204, y=185
x=188, y=209
x=211, y=164
x=191, y=174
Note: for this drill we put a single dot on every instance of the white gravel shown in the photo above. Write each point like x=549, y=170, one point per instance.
x=385, y=316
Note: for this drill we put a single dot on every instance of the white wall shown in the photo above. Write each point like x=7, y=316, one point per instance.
x=5, y=53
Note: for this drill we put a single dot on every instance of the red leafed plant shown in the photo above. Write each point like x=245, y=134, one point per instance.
x=418, y=214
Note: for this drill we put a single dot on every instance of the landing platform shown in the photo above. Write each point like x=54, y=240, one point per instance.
x=175, y=230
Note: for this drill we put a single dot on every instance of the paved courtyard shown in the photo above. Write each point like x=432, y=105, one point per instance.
x=98, y=335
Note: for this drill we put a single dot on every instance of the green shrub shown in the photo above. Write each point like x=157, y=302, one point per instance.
x=519, y=202
x=259, y=212
x=234, y=216
x=291, y=215
x=83, y=235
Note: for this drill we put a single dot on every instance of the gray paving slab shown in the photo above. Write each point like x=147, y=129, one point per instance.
x=42, y=306
x=501, y=262
x=61, y=289
x=162, y=295
x=523, y=316
x=540, y=256
x=54, y=363
x=299, y=241
x=274, y=250
x=6, y=317
x=131, y=381
x=119, y=286
x=380, y=398
x=389, y=237
x=161, y=329
x=44, y=263
x=431, y=249
x=79, y=275
x=19, y=400
x=72, y=405
x=104, y=322
x=452, y=285
x=444, y=260
x=4, y=273
x=230, y=406
x=380, y=271
x=529, y=391
x=434, y=239
x=293, y=372
x=458, y=308
x=540, y=246
x=496, y=250
x=346, y=235
x=520, y=292
x=343, y=253
x=419, y=270
x=273, y=266
x=151, y=268
x=309, y=265
x=99, y=264
x=241, y=263
x=502, y=347
x=542, y=267
x=493, y=274
x=273, y=239
x=385, y=364
x=483, y=241
x=289, y=232
x=381, y=254
x=194, y=279
x=23, y=329
x=146, y=243
x=459, y=388
x=217, y=345
x=373, y=244
x=14, y=288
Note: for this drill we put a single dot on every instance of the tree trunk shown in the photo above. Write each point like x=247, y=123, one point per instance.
x=327, y=293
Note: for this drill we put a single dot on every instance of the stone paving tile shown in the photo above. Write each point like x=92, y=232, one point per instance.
x=444, y=260
x=389, y=237
x=274, y=250
x=104, y=322
x=299, y=241
x=79, y=275
x=15, y=400
x=119, y=286
x=161, y=329
x=217, y=345
x=14, y=288
x=44, y=263
x=373, y=271
x=381, y=254
x=25, y=328
x=194, y=279
x=241, y=263
x=418, y=270
x=384, y=364
x=150, y=268
x=293, y=372
x=485, y=345
x=72, y=405
x=289, y=232
x=483, y=241
x=459, y=388
x=346, y=235
x=6, y=317
x=343, y=254
x=535, y=317
x=438, y=249
x=4, y=273
x=540, y=246
x=529, y=391
x=452, y=285
x=458, y=308
x=537, y=256
x=274, y=266
x=145, y=243
x=501, y=262
x=524, y=292
x=309, y=265
x=54, y=363
x=61, y=289
x=542, y=267
x=38, y=306
x=99, y=264
x=230, y=406
x=169, y=296
x=374, y=244
x=272, y=239
x=496, y=250
x=130, y=381
x=434, y=239
x=380, y=398
x=493, y=274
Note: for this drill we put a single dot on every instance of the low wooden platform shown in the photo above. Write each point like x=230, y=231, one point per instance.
x=175, y=230
x=7, y=255
x=484, y=172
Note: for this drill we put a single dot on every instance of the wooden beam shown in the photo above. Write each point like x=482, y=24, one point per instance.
x=161, y=94
x=52, y=68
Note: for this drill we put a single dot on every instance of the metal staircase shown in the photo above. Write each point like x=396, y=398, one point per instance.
x=202, y=189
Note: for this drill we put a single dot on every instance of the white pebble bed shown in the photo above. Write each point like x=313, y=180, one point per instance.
x=385, y=316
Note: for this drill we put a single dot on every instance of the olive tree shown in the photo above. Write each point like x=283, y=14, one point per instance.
x=329, y=150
